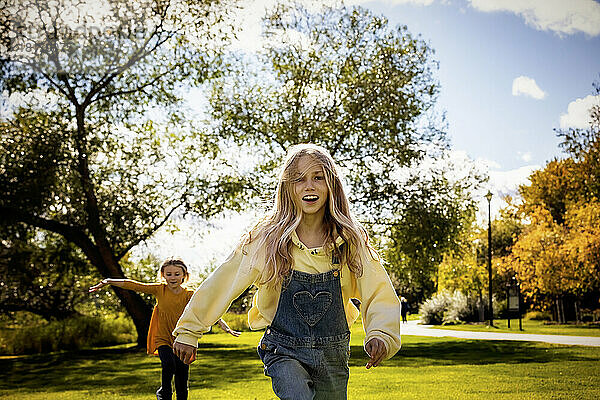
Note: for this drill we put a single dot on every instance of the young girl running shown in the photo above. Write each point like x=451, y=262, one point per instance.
x=308, y=258
x=171, y=299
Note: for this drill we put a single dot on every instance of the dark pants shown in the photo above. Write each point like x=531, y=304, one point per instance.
x=172, y=365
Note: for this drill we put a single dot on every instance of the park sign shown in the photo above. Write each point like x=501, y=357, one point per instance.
x=513, y=299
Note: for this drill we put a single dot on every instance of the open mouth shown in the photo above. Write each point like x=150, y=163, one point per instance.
x=310, y=198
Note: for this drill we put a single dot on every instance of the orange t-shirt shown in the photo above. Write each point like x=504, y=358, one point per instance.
x=169, y=307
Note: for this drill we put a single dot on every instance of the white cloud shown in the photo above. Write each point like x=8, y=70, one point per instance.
x=502, y=184
x=526, y=86
x=578, y=112
x=525, y=156
x=560, y=16
x=249, y=16
x=506, y=183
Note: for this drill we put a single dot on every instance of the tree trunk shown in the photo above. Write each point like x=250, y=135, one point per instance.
x=560, y=311
x=480, y=306
x=106, y=261
x=134, y=304
x=139, y=312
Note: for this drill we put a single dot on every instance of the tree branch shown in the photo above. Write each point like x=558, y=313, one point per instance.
x=135, y=57
x=73, y=234
x=148, y=232
x=136, y=89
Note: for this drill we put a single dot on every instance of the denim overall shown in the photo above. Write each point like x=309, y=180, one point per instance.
x=306, y=348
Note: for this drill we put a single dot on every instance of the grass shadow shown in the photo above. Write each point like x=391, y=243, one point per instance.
x=447, y=351
x=127, y=370
x=221, y=364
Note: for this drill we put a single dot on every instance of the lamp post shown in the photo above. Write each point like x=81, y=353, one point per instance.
x=488, y=196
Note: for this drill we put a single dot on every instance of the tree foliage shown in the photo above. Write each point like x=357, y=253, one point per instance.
x=347, y=80
x=99, y=145
x=338, y=77
x=552, y=259
x=557, y=253
x=433, y=222
x=41, y=273
x=465, y=269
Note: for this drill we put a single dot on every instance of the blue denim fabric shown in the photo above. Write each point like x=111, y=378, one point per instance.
x=307, y=346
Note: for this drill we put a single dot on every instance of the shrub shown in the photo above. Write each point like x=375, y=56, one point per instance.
x=450, y=308
x=69, y=334
x=538, y=316
x=458, y=309
x=432, y=310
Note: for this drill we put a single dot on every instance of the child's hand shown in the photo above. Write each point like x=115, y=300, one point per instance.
x=223, y=325
x=376, y=350
x=232, y=332
x=98, y=286
x=185, y=352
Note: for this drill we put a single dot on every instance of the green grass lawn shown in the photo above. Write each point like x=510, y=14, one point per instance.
x=229, y=368
x=529, y=326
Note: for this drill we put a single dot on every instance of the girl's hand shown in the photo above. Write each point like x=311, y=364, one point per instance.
x=185, y=352
x=376, y=350
x=223, y=325
x=232, y=332
x=98, y=286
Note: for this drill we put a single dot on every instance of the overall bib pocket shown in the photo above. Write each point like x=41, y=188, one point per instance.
x=312, y=308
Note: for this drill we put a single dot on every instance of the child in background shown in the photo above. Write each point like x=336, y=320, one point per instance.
x=308, y=258
x=171, y=299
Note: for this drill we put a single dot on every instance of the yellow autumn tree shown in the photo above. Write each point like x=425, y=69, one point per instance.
x=582, y=247
x=557, y=255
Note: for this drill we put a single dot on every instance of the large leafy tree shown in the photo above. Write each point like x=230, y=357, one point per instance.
x=433, y=221
x=98, y=146
x=347, y=80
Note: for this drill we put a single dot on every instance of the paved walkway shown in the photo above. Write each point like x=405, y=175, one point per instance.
x=413, y=328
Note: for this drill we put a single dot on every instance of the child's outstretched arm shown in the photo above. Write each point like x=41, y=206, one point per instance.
x=128, y=284
x=109, y=281
x=223, y=325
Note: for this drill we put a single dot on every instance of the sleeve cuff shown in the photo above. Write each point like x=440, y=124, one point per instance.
x=185, y=338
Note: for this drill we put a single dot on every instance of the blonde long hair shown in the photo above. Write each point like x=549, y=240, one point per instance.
x=274, y=231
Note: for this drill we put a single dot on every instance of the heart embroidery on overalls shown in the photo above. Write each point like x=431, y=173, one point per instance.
x=312, y=308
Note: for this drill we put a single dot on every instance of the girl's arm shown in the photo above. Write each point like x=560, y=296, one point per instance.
x=380, y=308
x=211, y=300
x=128, y=284
x=105, y=282
x=223, y=325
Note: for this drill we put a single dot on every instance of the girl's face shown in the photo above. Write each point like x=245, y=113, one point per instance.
x=174, y=276
x=310, y=189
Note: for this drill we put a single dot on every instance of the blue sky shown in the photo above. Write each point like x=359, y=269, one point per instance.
x=482, y=53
